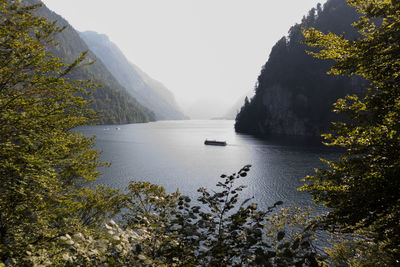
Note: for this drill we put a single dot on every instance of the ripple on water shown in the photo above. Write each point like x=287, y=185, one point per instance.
x=173, y=154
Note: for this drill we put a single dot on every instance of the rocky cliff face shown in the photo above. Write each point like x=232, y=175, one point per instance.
x=149, y=92
x=278, y=102
x=294, y=94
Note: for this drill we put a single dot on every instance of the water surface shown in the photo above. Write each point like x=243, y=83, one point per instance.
x=173, y=154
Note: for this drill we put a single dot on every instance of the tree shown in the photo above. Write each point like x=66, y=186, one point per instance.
x=49, y=216
x=293, y=94
x=222, y=232
x=362, y=187
x=44, y=162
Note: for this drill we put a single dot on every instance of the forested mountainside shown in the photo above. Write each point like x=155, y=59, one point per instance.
x=111, y=99
x=146, y=90
x=294, y=95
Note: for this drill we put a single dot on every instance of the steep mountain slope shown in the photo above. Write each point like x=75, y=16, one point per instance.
x=112, y=100
x=294, y=95
x=235, y=108
x=149, y=92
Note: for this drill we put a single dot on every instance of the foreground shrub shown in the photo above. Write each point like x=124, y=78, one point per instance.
x=220, y=232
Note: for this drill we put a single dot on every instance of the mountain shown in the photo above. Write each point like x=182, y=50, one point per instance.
x=293, y=94
x=235, y=108
x=146, y=90
x=111, y=99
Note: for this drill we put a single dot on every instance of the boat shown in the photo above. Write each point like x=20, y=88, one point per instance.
x=215, y=143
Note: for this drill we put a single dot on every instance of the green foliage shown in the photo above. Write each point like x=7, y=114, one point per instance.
x=221, y=232
x=154, y=214
x=49, y=216
x=291, y=231
x=362, y=187
x=115, y=247
x=358, y=251
x=43, y=161
x=160, y=229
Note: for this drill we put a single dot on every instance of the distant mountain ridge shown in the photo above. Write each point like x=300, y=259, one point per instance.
x=235, y=108
x=294, y=95
x=140, y=85
x=112, y=100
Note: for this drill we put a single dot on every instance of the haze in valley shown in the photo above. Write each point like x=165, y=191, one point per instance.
x=207, y=52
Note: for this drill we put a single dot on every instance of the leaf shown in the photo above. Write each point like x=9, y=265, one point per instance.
x=296, y=244
x=246, y=200
x=280, y=235
x=284, y=245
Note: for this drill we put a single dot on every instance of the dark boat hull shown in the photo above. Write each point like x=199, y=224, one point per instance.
x=215, y=143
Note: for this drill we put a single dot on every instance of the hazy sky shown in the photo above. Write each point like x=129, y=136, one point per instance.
x=207, y=52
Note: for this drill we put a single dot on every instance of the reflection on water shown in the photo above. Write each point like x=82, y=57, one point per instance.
x=173, y=154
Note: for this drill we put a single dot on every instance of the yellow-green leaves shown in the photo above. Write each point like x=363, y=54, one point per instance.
x=335, y=47
x=363, y=186
x=43, y=162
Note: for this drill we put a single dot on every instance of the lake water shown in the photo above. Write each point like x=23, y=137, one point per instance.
x=173, y=154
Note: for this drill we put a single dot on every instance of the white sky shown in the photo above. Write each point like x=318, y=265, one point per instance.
x=209, y=53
